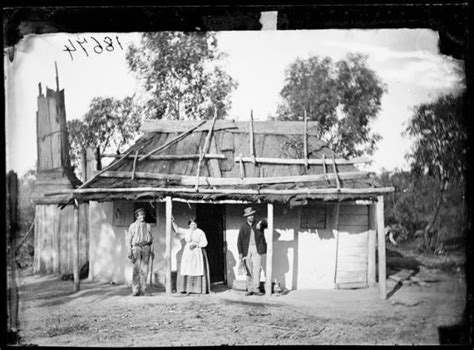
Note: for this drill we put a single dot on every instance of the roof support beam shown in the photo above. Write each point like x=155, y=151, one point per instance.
x=164, y=190
x=186, y=180
x=293, y=161
x=206, y=147
x=172, y=156
x=172, y=141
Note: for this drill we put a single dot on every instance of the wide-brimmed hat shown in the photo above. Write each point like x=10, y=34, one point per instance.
x=139, y=210
x=249, y=211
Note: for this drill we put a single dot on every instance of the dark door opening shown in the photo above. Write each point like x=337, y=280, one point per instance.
x=210, y=219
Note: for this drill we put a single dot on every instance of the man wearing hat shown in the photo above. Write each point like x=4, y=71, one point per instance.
x=251, y=245
x=139, y=249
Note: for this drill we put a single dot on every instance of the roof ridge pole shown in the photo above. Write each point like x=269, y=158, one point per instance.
x=203, y=151
x=338, y=184
x=306, y=163
x=252, y=141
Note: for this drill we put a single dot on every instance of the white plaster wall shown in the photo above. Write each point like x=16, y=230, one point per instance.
x=302, y=259
x=108, y=253
x=108, y=261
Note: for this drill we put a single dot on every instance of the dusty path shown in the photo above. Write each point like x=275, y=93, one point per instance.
x=106, y=315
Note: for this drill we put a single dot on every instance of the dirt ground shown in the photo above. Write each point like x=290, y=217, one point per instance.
x=100, y=314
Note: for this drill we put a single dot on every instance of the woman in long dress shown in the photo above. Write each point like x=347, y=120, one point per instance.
x=193, y=275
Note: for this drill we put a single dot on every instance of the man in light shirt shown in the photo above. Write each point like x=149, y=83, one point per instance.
x=139, y=250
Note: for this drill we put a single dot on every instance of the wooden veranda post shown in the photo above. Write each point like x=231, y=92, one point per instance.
x=269, y=274
x=168, y=245
x=336, y=232
x=372, y=247
x=76, y=248
x=381, y=247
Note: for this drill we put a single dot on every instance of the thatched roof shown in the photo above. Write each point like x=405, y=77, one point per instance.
x=222, y=176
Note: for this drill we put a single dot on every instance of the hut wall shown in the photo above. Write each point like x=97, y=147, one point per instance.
x=316, y=254
x=55, y=229
x=305, y=258
x=108, y=252
x=108, y=257
x=302, y=258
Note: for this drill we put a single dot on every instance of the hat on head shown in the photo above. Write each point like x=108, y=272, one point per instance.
x=139, y=210
x=249, y=211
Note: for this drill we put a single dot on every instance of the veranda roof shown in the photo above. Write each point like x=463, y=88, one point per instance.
x=260, y=161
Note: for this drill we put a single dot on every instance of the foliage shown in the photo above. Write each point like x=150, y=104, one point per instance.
x=26, y=209
x=26, y=217
x=440, y=138
x=180, y=74
x=343, y=96
x=110, y=125
x=411, y=206
x=439, y=151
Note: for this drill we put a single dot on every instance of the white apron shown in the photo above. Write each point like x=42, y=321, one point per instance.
x=192, y=260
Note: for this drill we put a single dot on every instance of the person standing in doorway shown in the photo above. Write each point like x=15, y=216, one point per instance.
x=252, y=246
x=193, y=275
x=140, y=248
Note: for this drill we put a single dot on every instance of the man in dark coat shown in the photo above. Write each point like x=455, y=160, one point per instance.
x=252, y=246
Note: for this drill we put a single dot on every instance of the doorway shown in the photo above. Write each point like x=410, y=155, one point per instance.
x=210, y=219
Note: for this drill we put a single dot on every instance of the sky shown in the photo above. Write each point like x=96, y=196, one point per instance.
x=406, y=60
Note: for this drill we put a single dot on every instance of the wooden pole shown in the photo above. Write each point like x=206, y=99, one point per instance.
x=269, y=274
x=171, y=156
x=76, y=248
x=308, y=191
x=106, y=168
x=84, y=163
x=172, y=141
x=241, y=167
x=372, y=247
x=324, y=169
x=306, y=139
x=198, y=169
x=204, y=150
x=252, y=141
x=134, y=164
x=371, y=258
x=168, y=244
x=335, y=172
x=336, y=232
x=381, y=248
x=186, y=180
x=297, y=161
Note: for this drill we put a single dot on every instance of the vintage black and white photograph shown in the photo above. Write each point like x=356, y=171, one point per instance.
x=263, y=186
